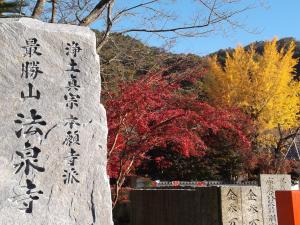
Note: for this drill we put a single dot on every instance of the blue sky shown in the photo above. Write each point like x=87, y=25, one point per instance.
x=280, y=18
x=271, y=18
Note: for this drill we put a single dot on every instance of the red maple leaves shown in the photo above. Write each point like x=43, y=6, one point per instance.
x=153, y=112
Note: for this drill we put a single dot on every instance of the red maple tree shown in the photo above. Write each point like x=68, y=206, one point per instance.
x=153, y=112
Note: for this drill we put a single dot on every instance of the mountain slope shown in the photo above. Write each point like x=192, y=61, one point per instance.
x=124, y=59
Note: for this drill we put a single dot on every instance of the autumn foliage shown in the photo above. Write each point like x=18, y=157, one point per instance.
x=239, y=123
x=262, y=86
x=153, y=112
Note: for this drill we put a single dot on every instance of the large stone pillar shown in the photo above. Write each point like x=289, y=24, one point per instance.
x=53, y=128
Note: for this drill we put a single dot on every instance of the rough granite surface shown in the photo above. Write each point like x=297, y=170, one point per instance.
x=39, y=83
x=231, y=205
x=270, y=183
x=252, y=205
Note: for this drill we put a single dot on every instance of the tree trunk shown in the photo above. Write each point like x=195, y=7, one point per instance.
x=95, y=13
x=53, y=13
x=38, y=9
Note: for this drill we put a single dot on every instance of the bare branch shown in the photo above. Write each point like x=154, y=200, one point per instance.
x=193, y=34
x=150, y=16
x=212, y=10
x=95, y=13
x=174, y=29
x=38, y=9
x=292, y=135
x=108, y=27
x=131, y=8
x=53, y=12
x=79, y=5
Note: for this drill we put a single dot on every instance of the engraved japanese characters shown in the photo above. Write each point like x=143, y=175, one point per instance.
x=53, y=131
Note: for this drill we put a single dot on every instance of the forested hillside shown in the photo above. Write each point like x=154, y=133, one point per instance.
x=125, y=58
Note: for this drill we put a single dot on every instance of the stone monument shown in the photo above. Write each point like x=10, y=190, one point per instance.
x=231, y=205
x=251, y=205
x=269, y=184
x=53, y=128
x=241, y=205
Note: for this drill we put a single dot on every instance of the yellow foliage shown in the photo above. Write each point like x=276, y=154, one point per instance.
x=261, y=85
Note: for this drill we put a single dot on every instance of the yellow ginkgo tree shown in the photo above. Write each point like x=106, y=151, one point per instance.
x=262, y=86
